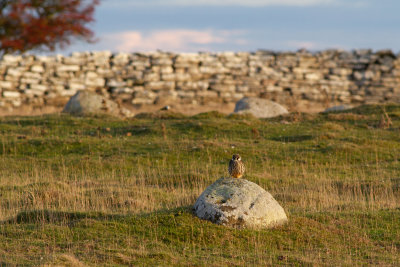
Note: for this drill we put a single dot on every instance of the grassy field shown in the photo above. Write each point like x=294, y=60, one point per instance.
x=105, y=191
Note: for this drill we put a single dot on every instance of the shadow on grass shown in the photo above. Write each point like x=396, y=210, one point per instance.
x=163, y=115
x=4, y=263
x=139, y=130
x=50, y=216
x=209, y=115
x=374, y=109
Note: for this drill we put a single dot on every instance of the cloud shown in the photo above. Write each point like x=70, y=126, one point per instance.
x=249, y=3
x=176, y=40
x=303, y=44
x=312, y=45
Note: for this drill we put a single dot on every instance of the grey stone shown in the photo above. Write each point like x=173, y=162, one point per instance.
x=95, y=82
x=115, y=83
x=76, y=86
x=87, y=103
x=207, y=94
x=91, y=75
x=72, y=61
x=63, y=68
x=46, y=59
x=160, y=85
x=123, y=90
x=141, y=97
x=16, y=102
x=260, y=108
x=11, y=94
x=223, y=87
x=239, y=203
x=33, y=92
x=338, y=108
x=14, y=72
x=31, y=75
x=166, y=70
x=39, y=87
x=68, y=92
x=120, y=58
x=11, y=58
x=37, y=68
x=6, y=85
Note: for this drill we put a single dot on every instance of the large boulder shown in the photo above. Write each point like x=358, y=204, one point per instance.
x=260, y=108
x=86, y=103
x=239, y=203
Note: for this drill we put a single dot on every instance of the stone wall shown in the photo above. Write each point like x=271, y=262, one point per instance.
x=298, y=80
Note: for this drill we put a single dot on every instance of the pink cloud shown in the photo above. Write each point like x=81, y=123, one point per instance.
x=303, y=44
x=310, y=45
x=177, y=40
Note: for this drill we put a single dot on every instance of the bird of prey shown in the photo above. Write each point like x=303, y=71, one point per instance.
x=236, y=167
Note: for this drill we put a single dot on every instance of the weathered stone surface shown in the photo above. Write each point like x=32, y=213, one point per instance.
x=260, y=108
x=86, y=103
x=239, y=203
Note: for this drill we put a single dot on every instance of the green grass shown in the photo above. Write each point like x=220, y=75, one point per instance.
x=105, y=191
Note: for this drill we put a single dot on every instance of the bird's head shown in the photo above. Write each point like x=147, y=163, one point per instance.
x=236, y=157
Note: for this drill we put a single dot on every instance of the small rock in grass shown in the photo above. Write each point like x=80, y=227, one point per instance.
x=86, y=103
x=338, y=108
x=260, y=108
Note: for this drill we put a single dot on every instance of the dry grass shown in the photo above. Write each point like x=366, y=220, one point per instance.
x=94, y=194
x=303, y=185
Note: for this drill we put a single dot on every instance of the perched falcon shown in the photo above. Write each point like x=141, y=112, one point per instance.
x=236, y=166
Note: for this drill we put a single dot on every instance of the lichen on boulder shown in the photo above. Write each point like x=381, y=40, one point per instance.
x=239, y=203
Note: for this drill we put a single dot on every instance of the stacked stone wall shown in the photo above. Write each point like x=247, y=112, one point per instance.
x=296, y=79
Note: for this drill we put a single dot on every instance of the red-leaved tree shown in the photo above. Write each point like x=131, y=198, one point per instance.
x=44, y=24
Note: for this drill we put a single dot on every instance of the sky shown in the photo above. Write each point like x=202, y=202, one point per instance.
x=243, y=25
